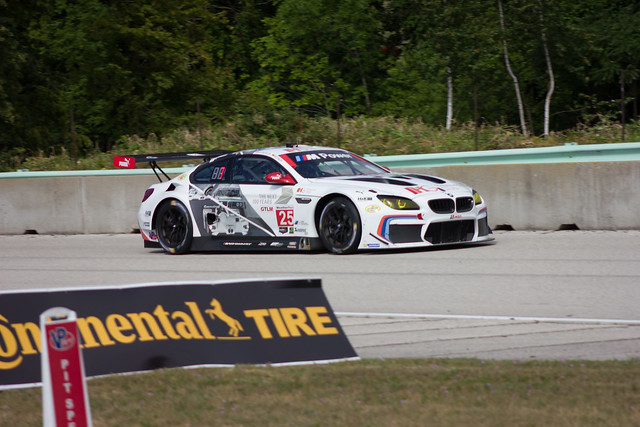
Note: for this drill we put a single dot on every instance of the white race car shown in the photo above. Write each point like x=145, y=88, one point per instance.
x=303, y=198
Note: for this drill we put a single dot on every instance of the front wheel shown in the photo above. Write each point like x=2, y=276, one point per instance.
x=339, y=226
x=174, y=227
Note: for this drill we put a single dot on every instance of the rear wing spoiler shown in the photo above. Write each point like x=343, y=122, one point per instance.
x=129, y=162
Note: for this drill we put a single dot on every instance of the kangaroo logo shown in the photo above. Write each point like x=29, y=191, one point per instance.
x=216, y=310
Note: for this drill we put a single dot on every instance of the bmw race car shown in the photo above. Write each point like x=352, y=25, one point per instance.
x=303, y=198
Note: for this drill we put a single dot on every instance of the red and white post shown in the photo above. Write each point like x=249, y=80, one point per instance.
x=65, y=398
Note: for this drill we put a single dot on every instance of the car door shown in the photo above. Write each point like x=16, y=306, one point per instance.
x=271, y=202
x=216, y=203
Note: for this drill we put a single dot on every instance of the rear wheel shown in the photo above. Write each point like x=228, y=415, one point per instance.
x=339, y=226
x=174, y=228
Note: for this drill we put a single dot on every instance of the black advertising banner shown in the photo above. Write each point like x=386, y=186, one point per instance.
x=143, y=327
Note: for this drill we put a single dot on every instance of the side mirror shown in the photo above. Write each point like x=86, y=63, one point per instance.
x=278, y=178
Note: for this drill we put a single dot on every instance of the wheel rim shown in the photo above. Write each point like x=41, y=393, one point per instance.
x=173, y=228
x=338, y=226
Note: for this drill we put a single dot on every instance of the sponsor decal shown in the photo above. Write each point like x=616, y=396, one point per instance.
x=181, y=177
x=319, y=156
x=372, y=245
x=264, y=199
x=383, y=227
x=372, y=208
x=61, y=339
x=285, y=196
x=454, y=216
x=266, y=209
x=144, y=327
x=284, y=217
x=286, y=230
x=306, y=190
x=65, y=399
x=419, y=189
x=124, y=162
x=364, y=199
x=237, y=243
x=445, y=192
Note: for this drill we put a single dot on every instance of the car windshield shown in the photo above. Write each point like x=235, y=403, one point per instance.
x=318, y=164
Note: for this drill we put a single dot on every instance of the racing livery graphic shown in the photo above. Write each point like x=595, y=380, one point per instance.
x=303, y=198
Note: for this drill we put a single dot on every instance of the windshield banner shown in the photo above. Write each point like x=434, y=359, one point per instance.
x=143, y=327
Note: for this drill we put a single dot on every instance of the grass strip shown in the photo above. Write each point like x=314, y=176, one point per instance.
x=370, y=392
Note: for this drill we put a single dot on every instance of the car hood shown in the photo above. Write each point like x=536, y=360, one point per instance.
x=407, y=185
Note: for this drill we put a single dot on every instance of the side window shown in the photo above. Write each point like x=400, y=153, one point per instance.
x=213, y=172
x=253, y=170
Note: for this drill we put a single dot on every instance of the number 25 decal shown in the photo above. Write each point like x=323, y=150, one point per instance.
x=285, y=217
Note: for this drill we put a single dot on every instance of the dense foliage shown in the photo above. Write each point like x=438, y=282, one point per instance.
x=83, y=75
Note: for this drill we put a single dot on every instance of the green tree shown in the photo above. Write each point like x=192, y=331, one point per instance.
x=29, y=116
x=444, y=50
x=127, y=68
x=320, y=53
x=616, y=45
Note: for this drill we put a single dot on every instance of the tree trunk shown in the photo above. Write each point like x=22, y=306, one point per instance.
x=523, y=123
x=552, y=83
x=475, y=116
x=363, y=78
x=623, y=117
x=449, y=98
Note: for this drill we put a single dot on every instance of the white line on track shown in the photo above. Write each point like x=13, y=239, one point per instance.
x=469, y=317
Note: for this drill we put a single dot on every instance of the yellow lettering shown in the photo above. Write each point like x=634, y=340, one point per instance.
x=185, y=327
x=258, y=316
x=163, y=316
x=318, y=321
x=8, y=347
x=117, y=324
x=195, y=312
x=85, y=326
x=278, y=323
x=28, y=334
x=139, y=320
x=296, y=320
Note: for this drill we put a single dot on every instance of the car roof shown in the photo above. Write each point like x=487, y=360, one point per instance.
x=276, y=151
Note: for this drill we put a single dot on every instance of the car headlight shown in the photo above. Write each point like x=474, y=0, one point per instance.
x=399, y=203
x=476, y=198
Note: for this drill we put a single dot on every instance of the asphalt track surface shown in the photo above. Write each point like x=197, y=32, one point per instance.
x=529, y=295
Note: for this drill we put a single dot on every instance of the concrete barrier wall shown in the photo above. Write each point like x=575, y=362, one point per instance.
x=593, y=196
x=71, y=205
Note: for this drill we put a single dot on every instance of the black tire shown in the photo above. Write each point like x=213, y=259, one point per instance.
x=174, y=227
x=340, y=227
